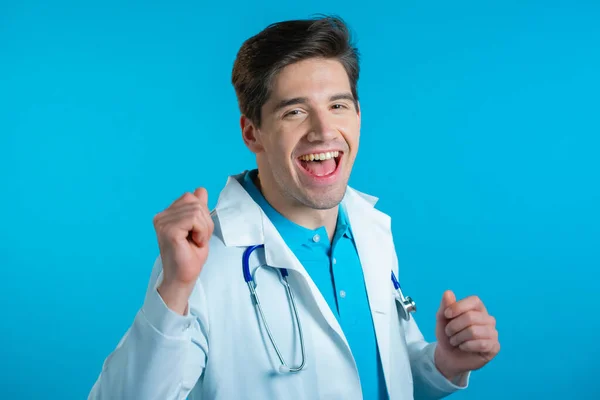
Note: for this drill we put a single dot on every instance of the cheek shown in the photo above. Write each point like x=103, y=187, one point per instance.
x=351, y=127
x=352, y=136
x=280, y=150
x=285, y=143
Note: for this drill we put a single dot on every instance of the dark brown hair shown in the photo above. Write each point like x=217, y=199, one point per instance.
x=280, y=44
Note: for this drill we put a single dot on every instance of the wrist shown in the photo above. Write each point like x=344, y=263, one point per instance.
x=445, y=367
x=175, y=296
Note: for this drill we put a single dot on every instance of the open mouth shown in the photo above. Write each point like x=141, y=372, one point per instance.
x=321, y=164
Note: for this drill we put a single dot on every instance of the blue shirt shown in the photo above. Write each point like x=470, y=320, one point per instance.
x=336, y=270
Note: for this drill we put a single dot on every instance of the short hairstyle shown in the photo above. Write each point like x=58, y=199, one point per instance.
x=262, y=56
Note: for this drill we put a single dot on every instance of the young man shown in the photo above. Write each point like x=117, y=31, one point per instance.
x=337, y=333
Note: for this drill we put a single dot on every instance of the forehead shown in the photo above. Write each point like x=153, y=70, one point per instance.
x=312, y=78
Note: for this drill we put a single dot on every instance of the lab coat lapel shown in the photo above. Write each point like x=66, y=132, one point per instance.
x=372, y=233
x=238, y=215
x=279, y=255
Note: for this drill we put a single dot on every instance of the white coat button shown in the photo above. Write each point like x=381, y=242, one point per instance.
x=316, y=238
x=342, y=294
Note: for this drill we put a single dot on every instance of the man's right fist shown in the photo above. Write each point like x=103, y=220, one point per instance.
x=183, y=231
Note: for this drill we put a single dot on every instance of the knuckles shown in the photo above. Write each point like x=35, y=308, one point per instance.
x=476, y=300
x=188, y=197
x=482, y=332
x=187, y=208
x=470, y=317
x=486, y=346
x=156, y=219
x=466, y=321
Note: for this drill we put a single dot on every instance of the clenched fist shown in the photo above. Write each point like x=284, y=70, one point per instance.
x=183, y=231
x=467, y=335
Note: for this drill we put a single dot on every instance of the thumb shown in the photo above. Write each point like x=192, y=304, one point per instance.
x=201, y=194
x=448, y=298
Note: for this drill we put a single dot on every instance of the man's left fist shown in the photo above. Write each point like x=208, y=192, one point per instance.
x=466, y=334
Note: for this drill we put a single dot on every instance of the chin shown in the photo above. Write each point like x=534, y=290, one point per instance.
x=324, y=198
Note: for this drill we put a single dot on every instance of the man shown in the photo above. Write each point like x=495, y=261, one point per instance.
x=337, y=334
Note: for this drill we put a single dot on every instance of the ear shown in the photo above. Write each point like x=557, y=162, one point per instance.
x=250, y=135
x=358, y=112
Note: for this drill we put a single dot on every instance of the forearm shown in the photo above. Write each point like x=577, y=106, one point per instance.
x=162, y=355
x=149, y=364
x=448, y=371
x=175, y=296
x=429, y=382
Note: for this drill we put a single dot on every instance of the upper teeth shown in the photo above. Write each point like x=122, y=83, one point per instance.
x=320, y=156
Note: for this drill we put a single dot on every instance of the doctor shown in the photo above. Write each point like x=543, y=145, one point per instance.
x=329, y=325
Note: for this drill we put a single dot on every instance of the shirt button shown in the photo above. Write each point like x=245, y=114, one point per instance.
x=342, y=294
x=334, y=261
x=316, y=238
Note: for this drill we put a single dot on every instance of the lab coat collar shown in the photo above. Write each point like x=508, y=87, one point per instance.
x=237, y=213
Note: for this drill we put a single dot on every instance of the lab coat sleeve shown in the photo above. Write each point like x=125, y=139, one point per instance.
x=429, y=383
x=161, y=356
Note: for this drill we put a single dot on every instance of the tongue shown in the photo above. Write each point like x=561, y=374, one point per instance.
x=319, y=168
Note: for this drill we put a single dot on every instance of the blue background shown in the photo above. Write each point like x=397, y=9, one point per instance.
x=480, y=135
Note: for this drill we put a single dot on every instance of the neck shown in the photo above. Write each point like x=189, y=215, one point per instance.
x=298, y=213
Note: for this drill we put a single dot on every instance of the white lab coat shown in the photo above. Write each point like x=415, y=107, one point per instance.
x=220, y=349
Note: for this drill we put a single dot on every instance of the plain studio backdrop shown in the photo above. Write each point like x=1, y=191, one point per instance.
x=480, y=136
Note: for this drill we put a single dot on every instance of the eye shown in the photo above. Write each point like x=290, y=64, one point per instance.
x=339, y=106
x=292, y=113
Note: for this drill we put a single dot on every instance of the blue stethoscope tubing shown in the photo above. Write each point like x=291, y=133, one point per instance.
x=408, y=306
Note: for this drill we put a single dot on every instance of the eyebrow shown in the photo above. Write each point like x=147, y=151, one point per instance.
x=303, y=100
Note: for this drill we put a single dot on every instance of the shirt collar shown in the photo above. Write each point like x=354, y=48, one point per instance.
x=293, y=234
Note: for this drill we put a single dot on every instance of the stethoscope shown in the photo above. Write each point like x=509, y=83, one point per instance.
x=407, y=306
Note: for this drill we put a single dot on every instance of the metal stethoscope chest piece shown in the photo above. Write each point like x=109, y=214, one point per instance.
x=407, y=305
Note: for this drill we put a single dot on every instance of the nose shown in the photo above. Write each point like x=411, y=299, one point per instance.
x=322, y=127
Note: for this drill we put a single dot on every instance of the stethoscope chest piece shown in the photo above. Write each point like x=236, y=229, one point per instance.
x=407, y=306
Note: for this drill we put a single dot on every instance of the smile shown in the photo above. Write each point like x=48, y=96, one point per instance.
x=319, y=156
x=321, y=165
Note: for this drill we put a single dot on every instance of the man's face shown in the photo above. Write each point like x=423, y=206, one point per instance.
x=308, y=139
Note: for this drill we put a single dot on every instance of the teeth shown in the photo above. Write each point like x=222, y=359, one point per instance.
x=320, y=156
